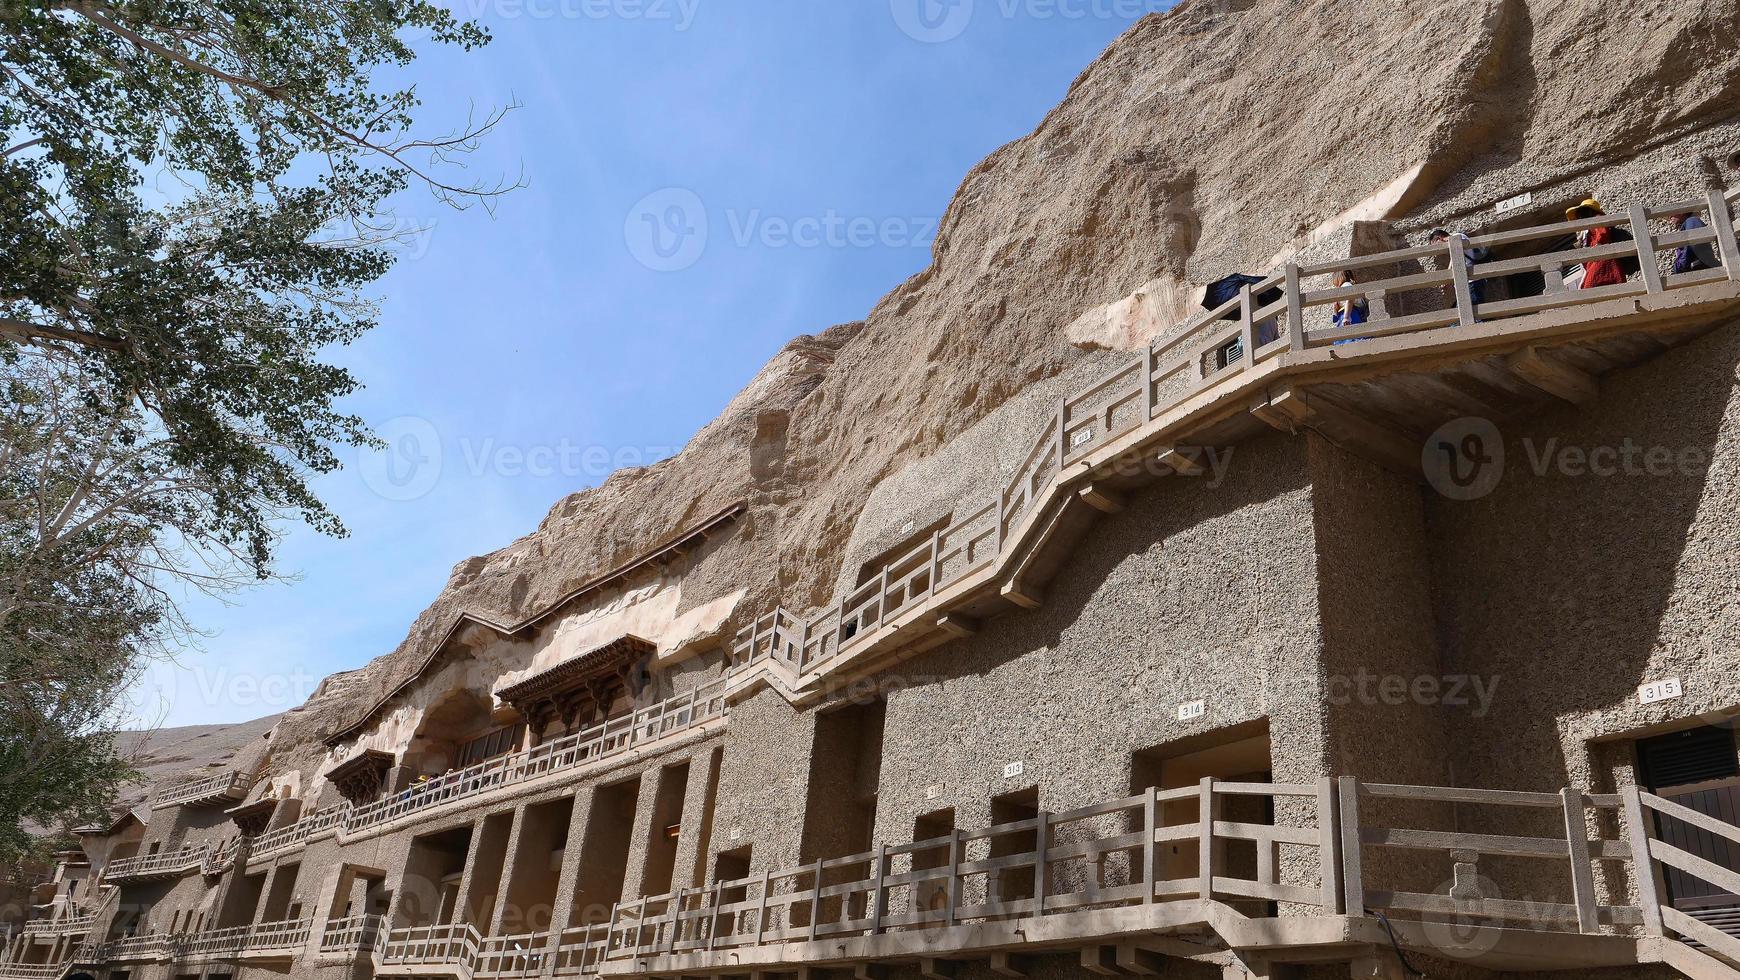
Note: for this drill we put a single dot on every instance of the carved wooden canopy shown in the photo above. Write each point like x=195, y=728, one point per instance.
x=359, y=778
x=252, y=818
x=579, y=688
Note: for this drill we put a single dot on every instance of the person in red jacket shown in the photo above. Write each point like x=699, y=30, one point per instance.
x=1602, y=272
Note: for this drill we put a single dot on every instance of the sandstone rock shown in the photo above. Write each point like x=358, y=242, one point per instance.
x=1207, y=140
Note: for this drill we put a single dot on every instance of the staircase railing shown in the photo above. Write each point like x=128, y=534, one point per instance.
x=1670, y=824
x=1213, y=351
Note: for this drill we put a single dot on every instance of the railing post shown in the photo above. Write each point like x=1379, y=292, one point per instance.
x=1205, y=809
x=997, y=539
x=935, y=560
x=1577, y=841
x=1352, y=882
x=1147, y=383
x=1150, y=853
x=816, y=902
x=1646, y=261
x=761, y=913
x=1329, y=866
x=1041, y=866
x=1722, y=219
x=676, y=920
x=1247, y=330
x=1649, y=883
x=1459, y=280
x=1295, y=310
x=1062, y=440
x=953, y=887
x=876, y=892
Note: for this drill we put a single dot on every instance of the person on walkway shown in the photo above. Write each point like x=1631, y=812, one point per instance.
x=1471, y=256
x=1350, y=312
x=1601, y=272
x=1692, y=258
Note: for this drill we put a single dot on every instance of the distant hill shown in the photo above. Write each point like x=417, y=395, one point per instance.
x=167, y=755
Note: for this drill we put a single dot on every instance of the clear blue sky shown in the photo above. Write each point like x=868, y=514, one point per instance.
x=706, y=179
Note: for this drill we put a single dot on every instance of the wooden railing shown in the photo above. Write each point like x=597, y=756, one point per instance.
x=356, y=933
x=211, y=789
x=1111, y=855
x=314, y=825
x=1672, y=825
x=590, y=745
x=162, y=863
x=61, y=926
x=257, y=937
x=1213, y=351
x=452, y=946
x=512, y=956
x=1460, y=855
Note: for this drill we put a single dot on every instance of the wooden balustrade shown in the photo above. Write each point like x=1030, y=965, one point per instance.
x=224, y=786
x=1216, y=349
x=594, y=744
x=1102, y=856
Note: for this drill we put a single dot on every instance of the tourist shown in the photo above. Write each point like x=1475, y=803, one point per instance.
x=1350, y=313
x=1471, y=255
x=1601, y=272
x=1692, y=258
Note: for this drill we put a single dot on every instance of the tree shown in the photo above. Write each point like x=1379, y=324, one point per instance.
x=163, y=352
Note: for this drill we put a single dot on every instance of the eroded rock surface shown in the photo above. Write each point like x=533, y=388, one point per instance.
x=1207, y=140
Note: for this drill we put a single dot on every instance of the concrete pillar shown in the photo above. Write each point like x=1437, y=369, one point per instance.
x=690, y=868
x=467, y=881
x=511, y=865
x=642, y=833
x=562, y=916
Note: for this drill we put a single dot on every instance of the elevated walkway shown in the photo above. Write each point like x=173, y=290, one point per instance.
x=1378, y=389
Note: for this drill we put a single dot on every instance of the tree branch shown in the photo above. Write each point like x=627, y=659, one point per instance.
x=20, y=332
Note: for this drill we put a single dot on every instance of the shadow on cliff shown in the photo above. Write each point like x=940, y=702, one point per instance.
x=1201, y=588
x=1568, y=590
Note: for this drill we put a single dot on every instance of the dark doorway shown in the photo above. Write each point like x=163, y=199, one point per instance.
x=1699, y=769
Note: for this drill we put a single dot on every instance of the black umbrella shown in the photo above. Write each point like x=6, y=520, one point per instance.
x=1226, y=290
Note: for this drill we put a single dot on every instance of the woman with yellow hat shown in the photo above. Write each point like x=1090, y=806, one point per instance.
x=1602, y=272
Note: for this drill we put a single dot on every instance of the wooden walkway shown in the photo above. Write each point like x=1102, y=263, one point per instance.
x=1105, y=882
x=1377, y=389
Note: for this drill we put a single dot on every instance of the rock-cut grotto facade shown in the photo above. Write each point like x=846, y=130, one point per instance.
x=1242, y=642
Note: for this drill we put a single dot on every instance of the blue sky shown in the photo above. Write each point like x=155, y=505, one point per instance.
x=705, y=179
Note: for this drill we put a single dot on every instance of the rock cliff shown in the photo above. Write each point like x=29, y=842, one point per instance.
x=1210, y=139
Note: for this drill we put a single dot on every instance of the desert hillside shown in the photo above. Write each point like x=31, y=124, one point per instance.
x=1207, y=140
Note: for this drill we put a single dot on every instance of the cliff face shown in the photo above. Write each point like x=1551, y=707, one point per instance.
x=1207, y=140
